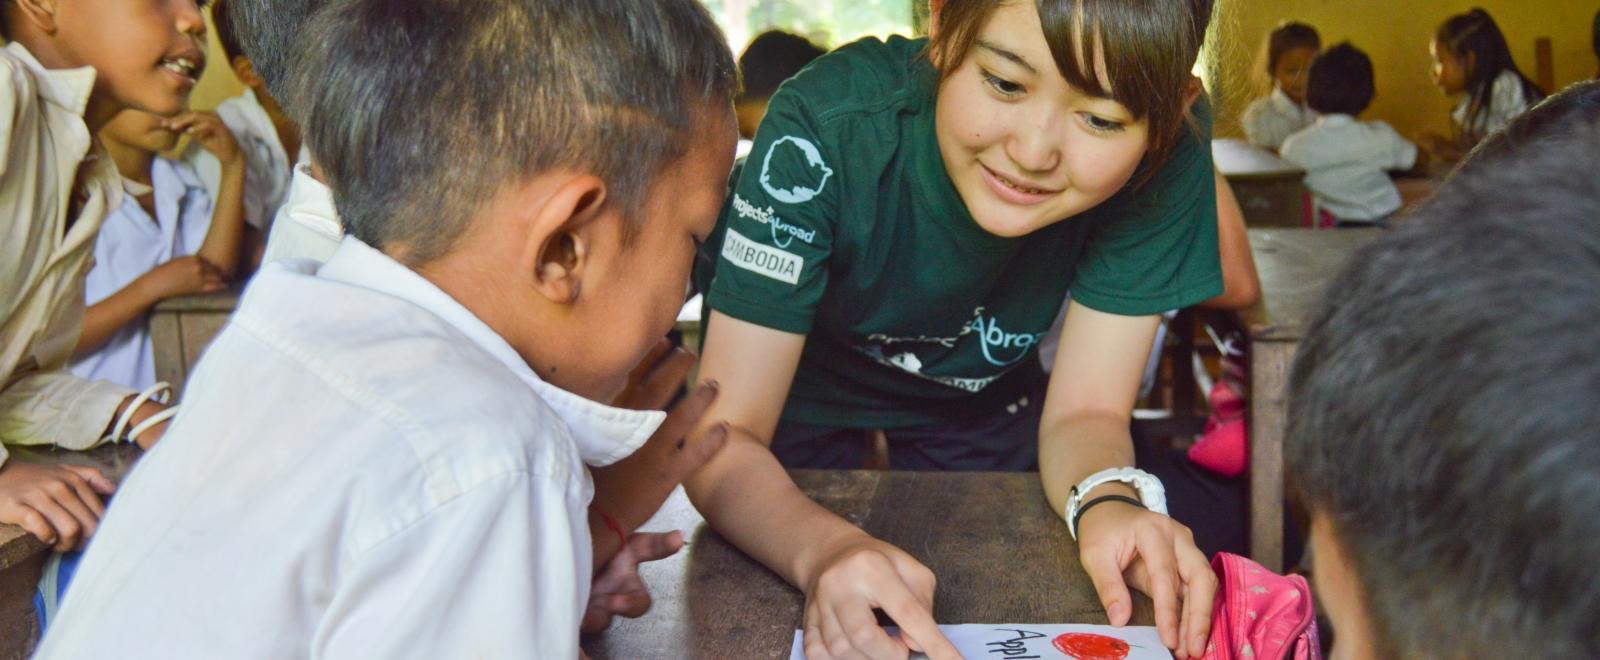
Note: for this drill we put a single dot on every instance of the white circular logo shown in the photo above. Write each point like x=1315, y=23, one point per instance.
x=799, y=155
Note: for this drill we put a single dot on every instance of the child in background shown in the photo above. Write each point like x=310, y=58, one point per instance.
x=166, y=239
x=1347, y=161
x=404, y=429
x=1267, y=121
x=771, y=58
x=70, y=66
x=267, y=137
x=1442, y=426
x=1472, y=61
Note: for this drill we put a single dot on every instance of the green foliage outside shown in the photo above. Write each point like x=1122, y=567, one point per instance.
x=828, y=23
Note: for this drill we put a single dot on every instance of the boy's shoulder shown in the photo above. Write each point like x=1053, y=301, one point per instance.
x=18, y=85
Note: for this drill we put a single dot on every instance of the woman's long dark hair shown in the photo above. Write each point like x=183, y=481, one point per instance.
x=1475, y=35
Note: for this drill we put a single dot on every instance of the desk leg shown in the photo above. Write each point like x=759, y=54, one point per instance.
x=19, y=625
x=1269, y=390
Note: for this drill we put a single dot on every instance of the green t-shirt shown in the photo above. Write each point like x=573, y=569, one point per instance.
x=844, y=226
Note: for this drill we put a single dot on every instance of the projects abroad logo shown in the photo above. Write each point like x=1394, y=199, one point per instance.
x=770, y=218
x=1001, y=348
x=801, y=174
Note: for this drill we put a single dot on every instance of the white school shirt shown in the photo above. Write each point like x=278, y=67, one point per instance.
x=267, y=166
x=131, y=244
x=43, y=142
x=1271, y=119
x=1347, y=165
x=361, y=469
x=308, y=225
x=1506, y=101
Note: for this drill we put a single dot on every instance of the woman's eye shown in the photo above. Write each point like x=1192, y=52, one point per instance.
x=1101, y=124
x=1001, y=85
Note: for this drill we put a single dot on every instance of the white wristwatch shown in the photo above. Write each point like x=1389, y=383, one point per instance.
x=1151, y=494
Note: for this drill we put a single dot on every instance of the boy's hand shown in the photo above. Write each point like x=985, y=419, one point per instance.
x=860, y=575
x=632, y=489
x=183, y=276
x=1121, y=545
x=659, y=377
x=618, y=588
x=60, y=504
x=207, y=129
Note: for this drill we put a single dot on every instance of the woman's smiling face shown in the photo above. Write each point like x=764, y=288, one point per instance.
x=1024, y=148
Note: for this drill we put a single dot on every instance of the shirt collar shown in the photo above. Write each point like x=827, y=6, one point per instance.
x=1336, y=119
x=1287, y=104
x=67, y=88
x=603, y=434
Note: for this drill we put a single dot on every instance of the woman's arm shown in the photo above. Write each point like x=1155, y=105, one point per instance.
x=1093, y=387
x=748, y=498
x=1241, y=287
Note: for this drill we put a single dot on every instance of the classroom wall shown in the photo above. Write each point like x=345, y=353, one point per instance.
x=218, y=83
x=1395, y=33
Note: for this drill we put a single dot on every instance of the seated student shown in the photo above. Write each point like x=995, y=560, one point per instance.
x=428, y=497
x=68, y=68
x=1471, y=61
x=771, y=58
x=1270, y=119
x=1549, y=121
x=1442, y=423
x=166, y=239
x=1347, y=162
x=267, y=136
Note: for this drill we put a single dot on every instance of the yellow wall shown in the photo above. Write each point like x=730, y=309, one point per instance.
x=218, y=83
x=1395, y=33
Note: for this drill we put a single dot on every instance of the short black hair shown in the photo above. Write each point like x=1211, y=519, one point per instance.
x=1554, y=120
x=1443, y=420
x=771, y=58
x=418, y=111
x=1340, y=81
x=1595, y=31
x=227, y=36
x=268, y=32
x=1288, y=36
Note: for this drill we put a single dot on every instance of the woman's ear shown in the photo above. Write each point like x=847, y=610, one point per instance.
x=556, y=253
x=1192, y=91
x=40, y=13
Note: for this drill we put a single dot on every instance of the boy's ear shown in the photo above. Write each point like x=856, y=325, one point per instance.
x=557, y=250
x=40, y=13
x=245, y=71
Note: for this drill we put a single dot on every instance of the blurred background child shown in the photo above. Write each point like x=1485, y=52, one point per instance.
x=1347, y=161
x=1281, y=113
x=771, y=58
x=1472, y=62
x=166, y=239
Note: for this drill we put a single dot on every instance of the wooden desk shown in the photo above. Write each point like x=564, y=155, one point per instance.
x=1270, y=190
x=22, y=555
x=181, y=328
x=1001, y=555
x=1295, y=265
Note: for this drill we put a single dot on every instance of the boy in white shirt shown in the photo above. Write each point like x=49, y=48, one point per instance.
x=402, y=432
x=268, y=138
x=166, y=239
x=1347, y=162
x=69, y=67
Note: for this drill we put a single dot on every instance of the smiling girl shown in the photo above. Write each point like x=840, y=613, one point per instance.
x=903, y=233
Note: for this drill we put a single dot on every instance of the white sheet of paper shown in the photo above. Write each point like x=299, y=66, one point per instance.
x=1055, y=641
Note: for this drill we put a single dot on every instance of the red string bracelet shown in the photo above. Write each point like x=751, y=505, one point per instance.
x=611, y=523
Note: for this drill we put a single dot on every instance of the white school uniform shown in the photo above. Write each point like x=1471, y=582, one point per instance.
x=1273, y=118
x=267, y=165
x=44, y=146
x=1347, y=164
x=1506, y=102
x=308, y=225
x=388, y=481
x=131, y=244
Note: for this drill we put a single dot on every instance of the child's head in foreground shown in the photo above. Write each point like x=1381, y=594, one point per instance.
x=1290, y=48
x=228, y=38
x=1068, y=97
x=1443, y=426
x=1340, y=81
x=552, y=165
x=147, y=54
